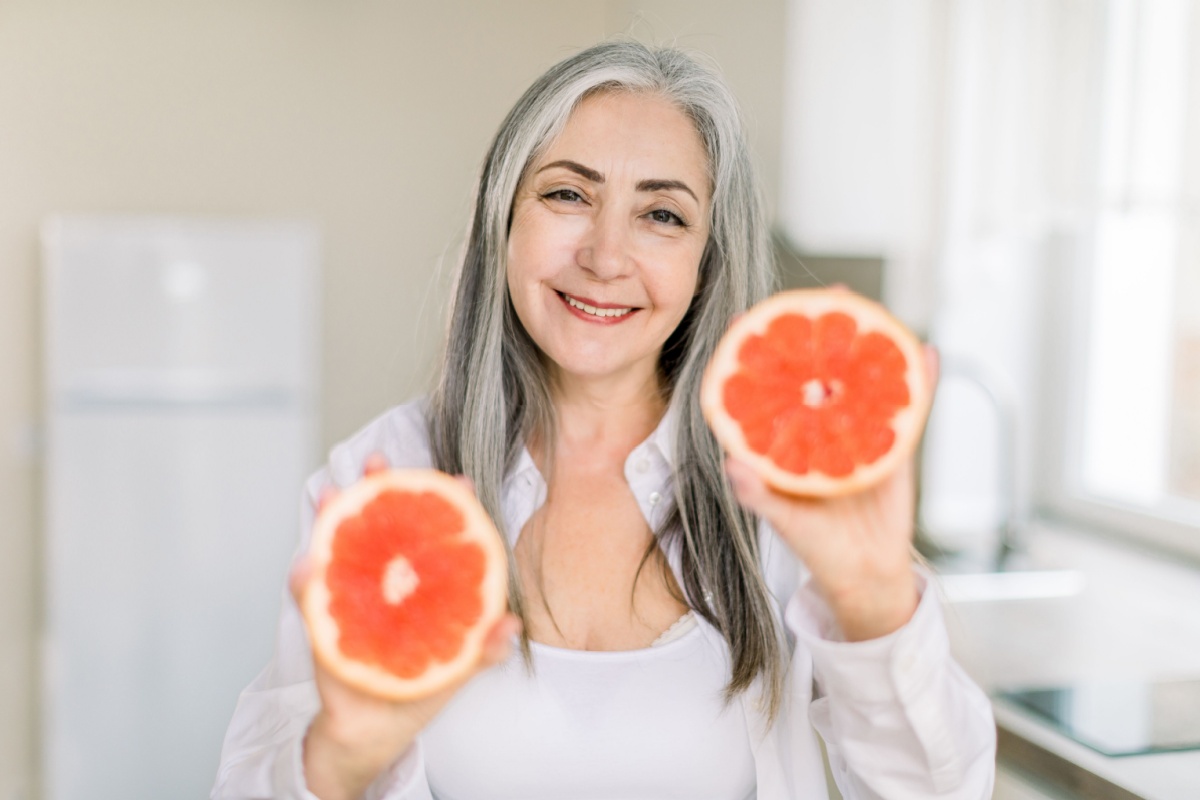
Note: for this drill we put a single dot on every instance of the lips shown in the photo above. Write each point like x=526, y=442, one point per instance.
x=596, y=310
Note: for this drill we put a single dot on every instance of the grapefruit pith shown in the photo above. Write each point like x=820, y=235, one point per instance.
x=821, y=391
x=408, y=576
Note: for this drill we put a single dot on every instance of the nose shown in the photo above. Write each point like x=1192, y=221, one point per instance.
x=606, y=249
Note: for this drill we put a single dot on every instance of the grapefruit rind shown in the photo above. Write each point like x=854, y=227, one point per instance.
x=323, y=628
x=869, y=316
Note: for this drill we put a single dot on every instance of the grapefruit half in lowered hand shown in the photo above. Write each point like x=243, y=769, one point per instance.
x=821, y=391
x=408, y=576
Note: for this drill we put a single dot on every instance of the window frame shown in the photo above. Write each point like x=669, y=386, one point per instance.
x=1058, y=494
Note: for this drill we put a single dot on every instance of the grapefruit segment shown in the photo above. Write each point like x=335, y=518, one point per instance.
x=408, y=577
x=821, y=391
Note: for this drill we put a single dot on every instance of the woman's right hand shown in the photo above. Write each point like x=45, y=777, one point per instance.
x=356, y=736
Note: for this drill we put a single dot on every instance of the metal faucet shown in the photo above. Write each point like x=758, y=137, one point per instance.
x=1006, y=574
x=1003, y=404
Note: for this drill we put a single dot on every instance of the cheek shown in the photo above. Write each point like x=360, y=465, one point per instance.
x=678, y=288
x=518, y=290
x=520, y=267
x=532, y=256
x=527, y=272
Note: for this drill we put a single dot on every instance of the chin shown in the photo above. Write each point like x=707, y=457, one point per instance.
x=601, y=369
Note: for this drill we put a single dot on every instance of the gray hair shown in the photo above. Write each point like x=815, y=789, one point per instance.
x=493, y=391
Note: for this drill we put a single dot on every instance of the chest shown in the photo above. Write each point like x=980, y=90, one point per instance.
x=591, y=572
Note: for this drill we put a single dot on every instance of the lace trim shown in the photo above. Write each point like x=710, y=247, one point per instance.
x=677, y=629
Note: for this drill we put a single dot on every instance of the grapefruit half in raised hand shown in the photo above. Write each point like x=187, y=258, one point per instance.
x=821, y=391
x=408, y=576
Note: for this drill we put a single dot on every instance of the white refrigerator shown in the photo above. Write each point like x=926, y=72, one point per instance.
x=181, y=363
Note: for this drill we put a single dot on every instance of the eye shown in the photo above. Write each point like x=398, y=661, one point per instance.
x=666, y=217
x=566, y=195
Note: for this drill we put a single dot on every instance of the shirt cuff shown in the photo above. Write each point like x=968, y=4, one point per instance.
x=403, y=772
x=289, y=771
x=876, y=671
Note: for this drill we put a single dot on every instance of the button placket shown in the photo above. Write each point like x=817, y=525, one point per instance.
x=907, y=669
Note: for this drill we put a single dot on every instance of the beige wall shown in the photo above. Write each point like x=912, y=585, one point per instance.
x=745, y=39
x=367, y=117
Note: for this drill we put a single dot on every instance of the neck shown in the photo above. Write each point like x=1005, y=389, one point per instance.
x=610, y=414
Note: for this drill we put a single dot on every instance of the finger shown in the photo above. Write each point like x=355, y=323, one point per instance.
x=906, y=477
x=753, y=493
x=376, y=462
x=467, y=482
x=741, y=478
x=841, y=287
x=933, y=369
x=933, y=363
x=326, y=496
x=298, y=577
x=498, y=645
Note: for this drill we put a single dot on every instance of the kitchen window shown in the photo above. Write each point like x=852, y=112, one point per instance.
x=1131, y=424
x=1029, y=172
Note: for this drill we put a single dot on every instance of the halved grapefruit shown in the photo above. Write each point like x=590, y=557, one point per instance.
x=408, y=576
x=820, y=391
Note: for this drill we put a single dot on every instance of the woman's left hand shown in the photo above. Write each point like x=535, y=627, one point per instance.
x=858, y=547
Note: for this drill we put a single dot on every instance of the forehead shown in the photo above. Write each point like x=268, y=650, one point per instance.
x=640, y=131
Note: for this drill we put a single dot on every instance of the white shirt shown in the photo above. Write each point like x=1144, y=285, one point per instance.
x=899, y=717
x=648, y=724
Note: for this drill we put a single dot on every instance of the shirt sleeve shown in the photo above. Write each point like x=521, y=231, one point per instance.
x=262, y=755
x=900, y=718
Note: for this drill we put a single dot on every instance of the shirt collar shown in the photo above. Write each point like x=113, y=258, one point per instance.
x=524, y=465
x=663, y=436
x=661, y=439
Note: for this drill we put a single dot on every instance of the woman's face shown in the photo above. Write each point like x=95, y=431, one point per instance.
x=608, y=228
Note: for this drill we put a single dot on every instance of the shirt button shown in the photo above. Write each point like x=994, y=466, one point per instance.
x=654, y=498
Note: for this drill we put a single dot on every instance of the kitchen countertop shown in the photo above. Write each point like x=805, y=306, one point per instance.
x=1136, y=617
x=1029, y=746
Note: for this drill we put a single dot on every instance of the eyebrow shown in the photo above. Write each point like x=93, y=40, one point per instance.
x=659, y=184
x=648, y=185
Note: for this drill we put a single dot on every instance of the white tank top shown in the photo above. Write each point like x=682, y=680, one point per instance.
x=588, y=725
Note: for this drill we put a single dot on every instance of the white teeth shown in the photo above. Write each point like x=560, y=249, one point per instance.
x=597, y=312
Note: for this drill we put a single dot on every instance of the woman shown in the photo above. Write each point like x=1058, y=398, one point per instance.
x=616, y=232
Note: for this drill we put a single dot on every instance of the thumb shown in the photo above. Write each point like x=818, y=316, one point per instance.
x=498, y=645
x=298, y=577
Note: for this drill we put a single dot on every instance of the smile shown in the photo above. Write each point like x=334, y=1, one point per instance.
x=593, y=310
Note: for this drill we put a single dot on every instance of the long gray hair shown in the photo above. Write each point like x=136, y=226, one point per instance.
x=493, y=393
